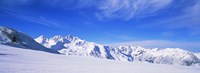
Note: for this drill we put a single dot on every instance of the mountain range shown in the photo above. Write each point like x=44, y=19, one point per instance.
x=71, y=45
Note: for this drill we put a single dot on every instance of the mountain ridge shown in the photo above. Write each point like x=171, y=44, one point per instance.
x=71, y=45
x=14, y=38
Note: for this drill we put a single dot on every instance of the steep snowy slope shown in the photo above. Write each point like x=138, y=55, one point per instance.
x=170, y=56
x=71, y=45
x=197, y=55
x=17, y=60
x=173, y=56
x=18, y=39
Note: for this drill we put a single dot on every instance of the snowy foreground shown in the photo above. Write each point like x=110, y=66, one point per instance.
x=18, y=60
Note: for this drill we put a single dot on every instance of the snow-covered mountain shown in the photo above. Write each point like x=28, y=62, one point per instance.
x=17, y=60
x=71, y=45
x=18, y=39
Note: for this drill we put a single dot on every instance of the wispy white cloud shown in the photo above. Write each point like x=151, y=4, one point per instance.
x=37, y=19
x=63, y=4
x=167, y=34
x=187, y=19
x=14, y=2
x=124, y=9
x=47, y=22
x=127, y=9
x=106, y=9
x=194, y=46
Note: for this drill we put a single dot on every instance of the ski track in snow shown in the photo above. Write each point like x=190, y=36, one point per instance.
x=18, y=60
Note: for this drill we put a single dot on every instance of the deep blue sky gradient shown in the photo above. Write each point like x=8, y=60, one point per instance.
x=177, y=21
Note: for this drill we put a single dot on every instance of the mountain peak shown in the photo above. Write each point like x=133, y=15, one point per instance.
x=71, y=45
x=72, y=38
x=41, y=39
x=14, y=38
x=41, y=36
x=5, y=30
x=57, y=37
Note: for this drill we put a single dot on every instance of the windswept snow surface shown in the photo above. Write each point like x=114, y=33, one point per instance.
x=18, y=60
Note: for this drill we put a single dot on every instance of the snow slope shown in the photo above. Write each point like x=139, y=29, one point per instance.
x=18, y=60
x=18, y=39
x=71, y=45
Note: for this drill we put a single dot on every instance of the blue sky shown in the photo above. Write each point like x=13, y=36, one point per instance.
x=148, y=23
